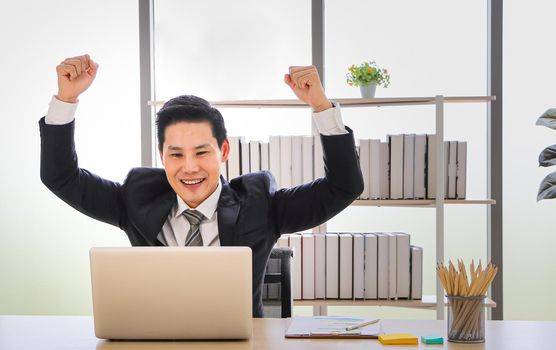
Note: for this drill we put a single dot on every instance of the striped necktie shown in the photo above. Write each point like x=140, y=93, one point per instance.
x=194, y=237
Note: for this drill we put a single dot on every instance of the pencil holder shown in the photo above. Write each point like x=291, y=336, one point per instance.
x=466, y=319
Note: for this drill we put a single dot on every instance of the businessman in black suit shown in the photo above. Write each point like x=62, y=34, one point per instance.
x=188, y=202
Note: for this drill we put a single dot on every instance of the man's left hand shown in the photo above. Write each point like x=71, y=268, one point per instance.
x=305, y=83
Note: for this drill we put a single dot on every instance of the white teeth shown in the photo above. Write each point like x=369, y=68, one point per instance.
x=193, y=182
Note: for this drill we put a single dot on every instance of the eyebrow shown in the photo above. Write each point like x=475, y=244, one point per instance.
x=178, y=148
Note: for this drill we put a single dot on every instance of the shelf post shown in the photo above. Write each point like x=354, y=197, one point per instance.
x=440, y=186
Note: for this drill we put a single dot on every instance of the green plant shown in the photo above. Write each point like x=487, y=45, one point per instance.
x=366, y=73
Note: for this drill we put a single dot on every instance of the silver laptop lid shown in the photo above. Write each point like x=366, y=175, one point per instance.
x=172, y=292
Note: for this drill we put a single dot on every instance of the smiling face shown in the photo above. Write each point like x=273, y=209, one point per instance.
x=192, y=160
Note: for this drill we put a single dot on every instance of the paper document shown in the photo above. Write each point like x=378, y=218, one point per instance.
x=306, y=326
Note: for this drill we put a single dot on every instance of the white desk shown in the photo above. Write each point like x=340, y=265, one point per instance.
x=76, y=333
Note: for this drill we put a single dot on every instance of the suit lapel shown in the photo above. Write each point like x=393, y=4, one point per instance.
x=228, y=210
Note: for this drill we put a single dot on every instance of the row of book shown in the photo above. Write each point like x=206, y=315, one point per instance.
x=352, y=266
x=403, y=167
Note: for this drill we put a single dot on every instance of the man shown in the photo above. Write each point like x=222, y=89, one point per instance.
x=189, y=203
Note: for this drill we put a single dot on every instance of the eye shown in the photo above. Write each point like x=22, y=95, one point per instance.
x=176, y=155
x=202, y=153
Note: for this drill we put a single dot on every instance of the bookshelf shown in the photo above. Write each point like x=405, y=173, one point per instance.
x=429, y=301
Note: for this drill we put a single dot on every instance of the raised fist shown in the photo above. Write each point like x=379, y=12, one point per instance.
x=75, y=75
x=305, y=83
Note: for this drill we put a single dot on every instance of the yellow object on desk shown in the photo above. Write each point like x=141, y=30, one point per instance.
x=398, y=339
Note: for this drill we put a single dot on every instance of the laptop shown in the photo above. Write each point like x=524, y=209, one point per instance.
x=142, y=293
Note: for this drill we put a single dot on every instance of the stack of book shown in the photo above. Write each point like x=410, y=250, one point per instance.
x=352, y=266
x=403, y=167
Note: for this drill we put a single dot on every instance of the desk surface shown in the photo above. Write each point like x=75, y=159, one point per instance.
x=76, y=333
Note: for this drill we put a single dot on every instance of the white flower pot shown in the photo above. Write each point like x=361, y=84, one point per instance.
x=368, y=91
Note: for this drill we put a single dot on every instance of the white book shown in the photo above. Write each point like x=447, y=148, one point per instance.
x=392, y=265
x=332, y=265
x=234, y=165
x=283, y=240
x=319, y=161
x=308, y=265
x=384, y=170
x=364, y=163
x=245, y=161
x=286, y=161
x=403, y=278
x=408, y=166
x=265, y=164
x=274, y=159
x=320, y=266
x=416, y=272
x=461, y=172
x=255, y=156
x=382, y=265
x=358, y=266
x=419, y=185
x=396, y=166
x=297, y=160
x=374, y=169
x=371, y=265
x=308, y=153
x=452, y=167
x=446, y=159
x=431, y=166
x=297, y=276
x=346, y=269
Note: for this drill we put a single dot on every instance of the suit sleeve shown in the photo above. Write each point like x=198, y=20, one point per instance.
x=92, y=195
x=309, y=205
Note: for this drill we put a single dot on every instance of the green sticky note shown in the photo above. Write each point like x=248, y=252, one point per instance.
x=433, y=339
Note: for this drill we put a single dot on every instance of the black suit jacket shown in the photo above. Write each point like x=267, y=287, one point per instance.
x=251, y=210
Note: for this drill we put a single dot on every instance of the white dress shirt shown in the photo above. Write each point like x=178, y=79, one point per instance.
x=176, y=226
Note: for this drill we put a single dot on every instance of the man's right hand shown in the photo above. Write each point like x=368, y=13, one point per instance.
x=75, y=75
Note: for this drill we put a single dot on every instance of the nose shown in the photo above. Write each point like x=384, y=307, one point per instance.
x=189, y=165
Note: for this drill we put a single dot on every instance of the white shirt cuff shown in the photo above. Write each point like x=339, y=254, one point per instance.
x=329, y=122
x=60, y=112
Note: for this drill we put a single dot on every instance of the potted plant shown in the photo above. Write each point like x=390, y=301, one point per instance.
x=367, y=76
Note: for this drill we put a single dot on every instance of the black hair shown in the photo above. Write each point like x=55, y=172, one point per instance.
x=190, y=109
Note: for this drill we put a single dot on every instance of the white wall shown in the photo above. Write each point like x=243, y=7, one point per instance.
x=43, y=242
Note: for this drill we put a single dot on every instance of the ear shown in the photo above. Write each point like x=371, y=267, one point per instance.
x=161, y=157
x=225, y=150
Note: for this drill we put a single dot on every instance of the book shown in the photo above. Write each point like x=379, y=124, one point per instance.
x=392, y=265
x=382, y=265
x=297, y=160
x=403, y=278
x=332, y=265
x=308, y=265
x=461, y=172
x=224, y=169
x=331, y=327
x=346, y=269
x=308, y=153
x=452, y=167
x=416, y=272
x=431, y=166
x=320, y=266
x=254, y=156
x=408, y=166
x=274, y=159
x=358, y=266
x=419, y=184
x=446, y=157
x=319, y=160
x=374, y=169
x=286, y=161
x=234, y=164
x=371, y=267
x=297, y=277
x=396, y=166
x=244, y=155
x=265, y=159
x=384, y=170
x=364, y=162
